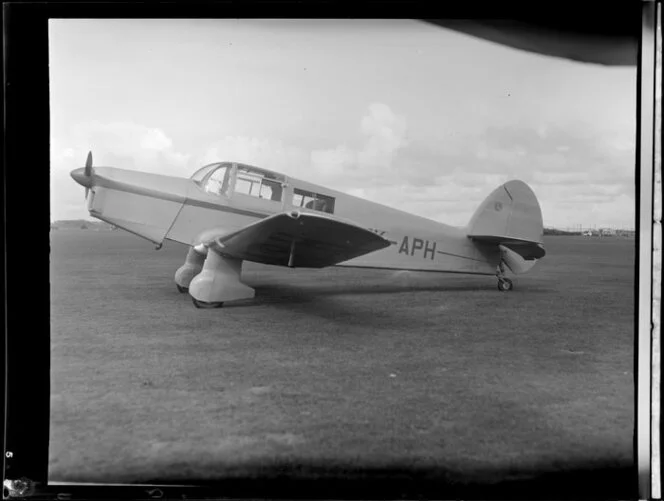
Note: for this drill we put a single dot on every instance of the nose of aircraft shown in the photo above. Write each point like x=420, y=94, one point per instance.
x=79, y=176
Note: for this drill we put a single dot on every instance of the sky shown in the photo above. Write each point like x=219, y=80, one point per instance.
x=400, y=112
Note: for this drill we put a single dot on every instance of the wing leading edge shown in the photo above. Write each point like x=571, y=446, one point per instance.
x=298, y=240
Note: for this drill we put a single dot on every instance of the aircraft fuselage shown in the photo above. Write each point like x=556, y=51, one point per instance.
x=159, y=207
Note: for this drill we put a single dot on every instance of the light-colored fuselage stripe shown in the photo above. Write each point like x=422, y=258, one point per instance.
x=113, y=184
x=161, y=195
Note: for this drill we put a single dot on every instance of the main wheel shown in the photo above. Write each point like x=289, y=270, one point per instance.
x=505, y=284
x=181, y=289
x=203, y=304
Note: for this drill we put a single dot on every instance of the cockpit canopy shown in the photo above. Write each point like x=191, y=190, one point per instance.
x=224, y=178
x=200, y=174
x=227, y=178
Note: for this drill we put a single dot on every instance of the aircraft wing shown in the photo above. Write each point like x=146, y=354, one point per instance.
x=298, y=239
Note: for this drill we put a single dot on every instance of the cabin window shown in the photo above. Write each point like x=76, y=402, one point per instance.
x=257, y=183
x=315, y=201
x=218, y=182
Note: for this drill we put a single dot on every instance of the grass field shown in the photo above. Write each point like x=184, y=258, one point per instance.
x=341, y=372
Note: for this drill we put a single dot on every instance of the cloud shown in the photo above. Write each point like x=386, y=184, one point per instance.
x=573, y=169
x=266, y=153
x=130, y=145
x=382, y=135
x=334, y=162
x=119, y=144
x=572, y=210
x=570, y=167
x=385, y=134
x=155, y=139
x=561, y=178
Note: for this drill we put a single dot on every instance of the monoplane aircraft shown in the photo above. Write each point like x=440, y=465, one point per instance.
x=230, y=212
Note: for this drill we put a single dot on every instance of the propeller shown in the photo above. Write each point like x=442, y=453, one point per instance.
x=88, y=171
x=84, y=175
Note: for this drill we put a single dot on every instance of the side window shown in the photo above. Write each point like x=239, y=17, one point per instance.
x=258, y=184
x=218, y=182
x=247, y=182
x=308, y=201
x=246, y=186
x=315, y=201
x=272, y=190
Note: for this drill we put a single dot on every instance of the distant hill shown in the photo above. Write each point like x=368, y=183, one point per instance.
x=81, y=224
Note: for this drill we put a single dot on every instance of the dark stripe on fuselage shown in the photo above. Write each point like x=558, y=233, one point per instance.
x=461, y=256
x=227, y=208
x=138, y=190
x=427, y=270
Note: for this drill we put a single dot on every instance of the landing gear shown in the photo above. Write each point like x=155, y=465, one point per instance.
x=504, y=284
x=204, y=305
x=218, y=282
x=191, y=267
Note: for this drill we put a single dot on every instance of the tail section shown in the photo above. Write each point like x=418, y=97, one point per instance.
x=511, y=219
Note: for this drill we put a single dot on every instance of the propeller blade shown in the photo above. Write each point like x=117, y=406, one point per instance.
x=88, y=164
x=84, y=175
x=88, y=171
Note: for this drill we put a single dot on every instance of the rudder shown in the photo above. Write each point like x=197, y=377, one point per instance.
x=509, y=221
x=510, y=212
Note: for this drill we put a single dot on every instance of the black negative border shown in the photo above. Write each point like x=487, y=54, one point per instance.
x=26, y=235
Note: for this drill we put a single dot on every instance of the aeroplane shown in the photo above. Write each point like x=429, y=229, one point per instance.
x=230, y=212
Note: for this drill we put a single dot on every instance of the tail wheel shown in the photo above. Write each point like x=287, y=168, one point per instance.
x=203, y=304
x=505, y=284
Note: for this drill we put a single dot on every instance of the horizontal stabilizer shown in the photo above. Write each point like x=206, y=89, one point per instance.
x=520, y=259
x=295, y=239
x=527, y=250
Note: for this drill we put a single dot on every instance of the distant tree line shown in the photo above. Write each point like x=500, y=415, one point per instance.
x=602, y=232
x=81, y=224
x=554, y=231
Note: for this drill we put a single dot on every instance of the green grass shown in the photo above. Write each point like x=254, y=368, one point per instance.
x=338, y=368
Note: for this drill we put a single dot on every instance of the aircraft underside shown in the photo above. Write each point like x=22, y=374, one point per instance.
x=212, y=279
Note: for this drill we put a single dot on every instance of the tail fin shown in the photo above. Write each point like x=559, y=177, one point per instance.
x=511, y=218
